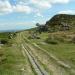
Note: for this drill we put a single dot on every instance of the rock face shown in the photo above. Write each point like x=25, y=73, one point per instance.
x=62, y=22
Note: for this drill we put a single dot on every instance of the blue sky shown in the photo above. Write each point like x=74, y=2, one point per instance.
x=22, y=14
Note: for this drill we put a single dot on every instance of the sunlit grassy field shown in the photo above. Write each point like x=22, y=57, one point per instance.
x=12, y=61
x=64, y=50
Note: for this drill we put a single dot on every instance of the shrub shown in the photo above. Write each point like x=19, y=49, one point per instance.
x=3, y=41
x=60, y=39
x=73, y=40
x=1, y=53
x=29, y=37
x=51, y=41
x=33, y=37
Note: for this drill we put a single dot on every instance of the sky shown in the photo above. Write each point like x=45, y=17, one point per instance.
x=24, y=14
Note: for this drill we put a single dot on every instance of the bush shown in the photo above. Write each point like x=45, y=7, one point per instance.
x=30, y=37
x=73, y=40
x=51, y=41
x=33, y=37
x=60, y=39
x=3, y=41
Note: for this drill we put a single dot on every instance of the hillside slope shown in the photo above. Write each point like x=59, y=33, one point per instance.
x=61, y=19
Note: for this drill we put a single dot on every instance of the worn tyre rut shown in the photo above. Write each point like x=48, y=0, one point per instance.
x=38, y=69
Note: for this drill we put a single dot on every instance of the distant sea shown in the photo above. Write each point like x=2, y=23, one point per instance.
x=14, y=30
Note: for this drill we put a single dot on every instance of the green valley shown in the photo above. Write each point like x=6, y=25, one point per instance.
x=44, y=50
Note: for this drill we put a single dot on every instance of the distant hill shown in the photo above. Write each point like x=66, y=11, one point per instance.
x=59, y=19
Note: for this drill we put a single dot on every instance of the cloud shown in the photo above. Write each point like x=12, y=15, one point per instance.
x=47, y=3
x=39, y=15
x=22, y=8
x=60, y=1
x=41, y=4
x=27, y=6
x=67, y=12
x=5, y=7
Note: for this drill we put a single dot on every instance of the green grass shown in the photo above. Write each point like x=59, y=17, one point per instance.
x=14, y=60
x=64, y=51
x=4, y=35
x=13, y=63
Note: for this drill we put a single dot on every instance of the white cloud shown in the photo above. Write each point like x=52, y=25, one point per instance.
x=47, y=3
x=60, y=1
x=34, y=22
x=5, y=7
x=39, y=15
x=23, y=8
x=67, y=12
x=27, y=6
x=41, y=3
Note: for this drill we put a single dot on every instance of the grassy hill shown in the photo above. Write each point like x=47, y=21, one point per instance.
x=54, y=50
x=59, y=19
x=60, y=43
x=12, y=61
